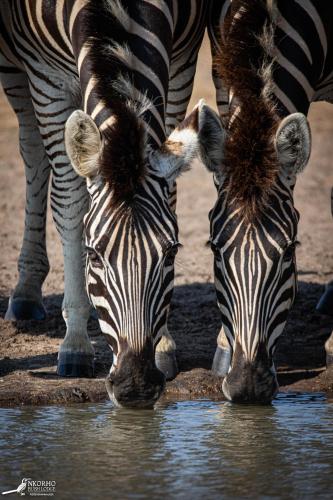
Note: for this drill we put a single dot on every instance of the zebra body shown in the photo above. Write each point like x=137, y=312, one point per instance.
x=274, y=59
x=129, y=68
x=303, y=71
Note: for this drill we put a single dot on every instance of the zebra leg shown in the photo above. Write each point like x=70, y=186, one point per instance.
x=329, y=350
x=69, y=203
x=53, y=102
x=325, y=304
x=76, y=353
x=181, y=81
x=165, y=353
x=222, y=356
x=165, y=356
x=26, y=299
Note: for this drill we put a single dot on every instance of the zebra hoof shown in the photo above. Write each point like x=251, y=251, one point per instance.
x=166, y=362
x=19, y=309
x=77, y=364
x=325, y=304
x=221, y=361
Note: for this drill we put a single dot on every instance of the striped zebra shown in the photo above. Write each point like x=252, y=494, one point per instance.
x=112, y=76
x=274, y=59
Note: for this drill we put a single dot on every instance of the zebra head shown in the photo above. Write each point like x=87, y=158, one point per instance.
x=254, y=242
x=132, y=236
x=254, y=222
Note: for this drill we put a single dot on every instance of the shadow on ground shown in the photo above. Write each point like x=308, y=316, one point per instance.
x=194, y=322
x=9, y=365
x=53, y=326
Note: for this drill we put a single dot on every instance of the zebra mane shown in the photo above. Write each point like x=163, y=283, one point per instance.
x=245, y=63
x=122, y=160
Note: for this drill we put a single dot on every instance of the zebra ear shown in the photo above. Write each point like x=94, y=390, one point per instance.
x=83, y=143
x=293, y=143
x=211, y=137
x=199, y=135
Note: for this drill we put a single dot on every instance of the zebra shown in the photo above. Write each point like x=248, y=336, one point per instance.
x=111, y=74
x=273, y=59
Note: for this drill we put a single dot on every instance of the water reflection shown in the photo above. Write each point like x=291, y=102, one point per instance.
x=180, y=449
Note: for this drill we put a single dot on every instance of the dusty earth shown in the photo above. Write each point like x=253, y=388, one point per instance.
x=28, y=350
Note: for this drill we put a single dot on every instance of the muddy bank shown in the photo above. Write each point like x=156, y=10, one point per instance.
x=40, y=387
x=28, y=350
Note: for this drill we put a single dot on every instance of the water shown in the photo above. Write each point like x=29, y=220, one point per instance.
x=185, y=449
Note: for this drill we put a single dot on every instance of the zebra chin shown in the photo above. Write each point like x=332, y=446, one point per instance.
x=135, y=382
x=250, y=381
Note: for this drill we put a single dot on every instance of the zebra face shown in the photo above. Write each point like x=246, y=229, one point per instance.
x=255, y=279
x=130, y=266
x=132, y=235
x=255, y=269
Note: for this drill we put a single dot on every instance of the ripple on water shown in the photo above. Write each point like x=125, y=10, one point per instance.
x=179, y=449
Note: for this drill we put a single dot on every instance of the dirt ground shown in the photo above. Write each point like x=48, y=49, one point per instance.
x=28, y=350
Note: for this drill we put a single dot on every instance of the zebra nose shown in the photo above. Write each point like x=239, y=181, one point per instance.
x=250, y=386
x=136, y=381
x=135, y=393
x=250, y=381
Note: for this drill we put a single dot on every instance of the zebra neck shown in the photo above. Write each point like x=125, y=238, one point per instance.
x=304, y=60
x=123, y=54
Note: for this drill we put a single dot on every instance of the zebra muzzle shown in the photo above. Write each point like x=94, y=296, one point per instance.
x=250, y=381
x=135, y=382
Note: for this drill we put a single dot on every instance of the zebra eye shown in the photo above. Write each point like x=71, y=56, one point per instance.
x=290, y=251
x=94, y=257
x=171, y=254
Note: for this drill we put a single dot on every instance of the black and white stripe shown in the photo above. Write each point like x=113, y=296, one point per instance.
x=97, y=55
x=255, y=269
